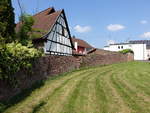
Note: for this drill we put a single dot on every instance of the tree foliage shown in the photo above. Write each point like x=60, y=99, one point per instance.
x=16, y=51
x=26, y=29
x=15, y=56
x=7, y=23
x=37, y=33
x=125, y=51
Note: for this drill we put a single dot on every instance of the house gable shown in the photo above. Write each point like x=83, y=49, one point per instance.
x=58, y=40
x=51, y=28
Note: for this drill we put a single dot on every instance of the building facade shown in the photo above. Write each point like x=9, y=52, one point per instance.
x=140, y=49
x=58, y=40
x=55, y=38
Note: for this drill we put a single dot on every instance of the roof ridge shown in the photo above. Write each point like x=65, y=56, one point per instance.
x=81, y=41
x=60, y=11
x=57, y=11
x=38, y=13
x=43, y=11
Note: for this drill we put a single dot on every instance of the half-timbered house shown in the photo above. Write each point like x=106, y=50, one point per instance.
x=54, y=38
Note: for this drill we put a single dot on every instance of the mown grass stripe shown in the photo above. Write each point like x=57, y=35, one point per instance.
x=81, y=101
x=140, y=84
x=140, y=98
x=101, y=95
x=71, y=107
x=35, y=98
x=126, y=94
x=51, y=96
x=58, y=92
x=116, y=103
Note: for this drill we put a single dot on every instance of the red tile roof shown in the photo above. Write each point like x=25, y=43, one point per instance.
x=81, y=43
x=44, y=20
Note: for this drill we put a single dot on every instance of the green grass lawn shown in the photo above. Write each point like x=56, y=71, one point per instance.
x=117, y=88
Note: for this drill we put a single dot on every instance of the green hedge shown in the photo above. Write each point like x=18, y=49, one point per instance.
x=13, y=57
x=125, y=51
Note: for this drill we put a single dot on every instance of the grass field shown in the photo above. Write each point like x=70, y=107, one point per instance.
x=117, y=88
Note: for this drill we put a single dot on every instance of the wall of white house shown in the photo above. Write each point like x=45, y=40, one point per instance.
x=140, y=52
x=148, y=54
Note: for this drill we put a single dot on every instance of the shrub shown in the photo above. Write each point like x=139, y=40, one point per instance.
x=15, y=56
x=125, y=51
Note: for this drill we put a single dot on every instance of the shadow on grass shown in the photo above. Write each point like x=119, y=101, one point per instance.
x=37, y=108
x=21, y=96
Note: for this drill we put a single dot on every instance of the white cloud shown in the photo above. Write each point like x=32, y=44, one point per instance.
x=115, y=27
x=143, y=21
x=82, y=29
x=146, y=35
x=110, y=42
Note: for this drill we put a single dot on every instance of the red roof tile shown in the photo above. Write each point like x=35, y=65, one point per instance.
x=81, y=43
x=44, y=20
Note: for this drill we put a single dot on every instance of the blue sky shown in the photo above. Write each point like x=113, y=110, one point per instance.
x=99, y=21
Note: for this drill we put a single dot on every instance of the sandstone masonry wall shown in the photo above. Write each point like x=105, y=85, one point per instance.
x=53, y=65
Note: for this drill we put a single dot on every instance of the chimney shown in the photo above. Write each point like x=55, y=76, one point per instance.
x=76, y=45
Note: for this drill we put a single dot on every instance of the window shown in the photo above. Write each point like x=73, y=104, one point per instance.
x=121, y=47
x=63, y=31
x=130, y=45
x=118, y=47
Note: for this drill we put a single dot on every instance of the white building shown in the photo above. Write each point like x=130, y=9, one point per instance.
x=140, y=48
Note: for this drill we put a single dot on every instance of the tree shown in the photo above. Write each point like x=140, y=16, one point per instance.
x=125, y=51
x=7, y=23
x=26, y=29
x=15, y=54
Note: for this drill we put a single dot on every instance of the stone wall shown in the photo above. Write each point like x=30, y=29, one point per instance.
x=99, y=59
x=42, y=69
x=48, y=66
x=53, y=65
